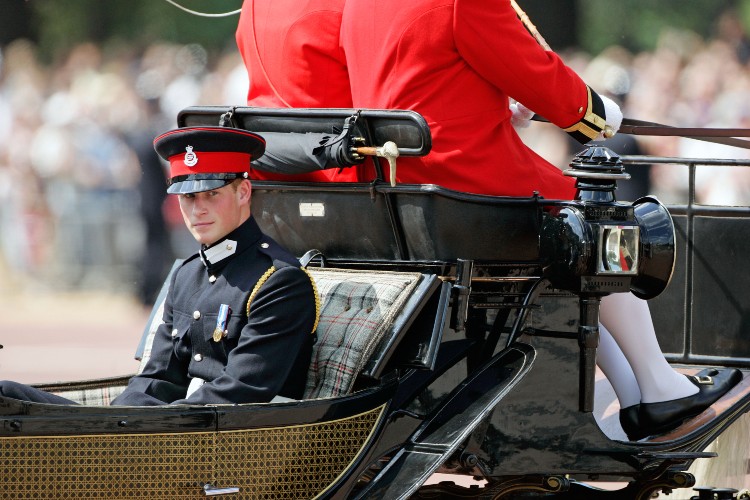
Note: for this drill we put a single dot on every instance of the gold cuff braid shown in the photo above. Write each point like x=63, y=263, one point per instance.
x=591, y=124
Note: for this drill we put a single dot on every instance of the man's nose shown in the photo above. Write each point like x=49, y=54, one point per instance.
x=199, y=204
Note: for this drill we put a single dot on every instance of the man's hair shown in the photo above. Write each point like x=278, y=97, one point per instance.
x=236, y=183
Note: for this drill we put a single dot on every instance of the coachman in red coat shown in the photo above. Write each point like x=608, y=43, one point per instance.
x=457, y=62
x=294, y=59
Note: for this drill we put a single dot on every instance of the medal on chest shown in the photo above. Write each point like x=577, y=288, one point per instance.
x=221, y=323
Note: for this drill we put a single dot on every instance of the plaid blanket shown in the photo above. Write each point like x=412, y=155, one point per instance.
x=357, y=310
x=90, y=392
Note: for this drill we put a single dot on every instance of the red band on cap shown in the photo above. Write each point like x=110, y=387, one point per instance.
x=195, y=162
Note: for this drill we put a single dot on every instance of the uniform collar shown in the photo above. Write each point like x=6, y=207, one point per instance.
x=221, y=253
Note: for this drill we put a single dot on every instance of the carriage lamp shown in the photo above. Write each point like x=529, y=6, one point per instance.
x=597, y=245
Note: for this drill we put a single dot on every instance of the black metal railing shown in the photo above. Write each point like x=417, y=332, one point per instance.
x=706, y=300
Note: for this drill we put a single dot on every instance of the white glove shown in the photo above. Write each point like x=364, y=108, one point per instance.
x=521, y=117
x=612, y=118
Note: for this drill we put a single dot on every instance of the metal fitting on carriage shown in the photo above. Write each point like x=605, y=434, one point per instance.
x=460, y=294
x=712, y=493
x=726, y=493
x=597, y=170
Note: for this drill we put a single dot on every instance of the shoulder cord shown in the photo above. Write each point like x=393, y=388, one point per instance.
x=317, y=299
x=529, y=25
x=268, y=274
x=257, y=286
x=203, y=14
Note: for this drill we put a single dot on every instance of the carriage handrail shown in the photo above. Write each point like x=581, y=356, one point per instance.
x=694, y=258
x=719, y=162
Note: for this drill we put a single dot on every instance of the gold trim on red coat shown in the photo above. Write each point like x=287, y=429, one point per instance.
x=593, y=121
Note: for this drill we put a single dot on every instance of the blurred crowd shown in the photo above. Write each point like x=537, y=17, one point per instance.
x=82, y=192
x=82, y=203
x=686, y=81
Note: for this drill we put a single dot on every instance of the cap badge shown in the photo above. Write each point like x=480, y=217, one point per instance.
x=191, y=159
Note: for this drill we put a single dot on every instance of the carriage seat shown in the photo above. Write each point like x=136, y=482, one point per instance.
x=362, y=313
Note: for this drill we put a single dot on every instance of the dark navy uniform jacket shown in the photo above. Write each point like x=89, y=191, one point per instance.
x=267, y=348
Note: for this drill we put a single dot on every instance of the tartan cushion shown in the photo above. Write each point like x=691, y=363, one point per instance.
x=357, y=309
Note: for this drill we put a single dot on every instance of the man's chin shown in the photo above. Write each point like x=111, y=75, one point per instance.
x=204, y=237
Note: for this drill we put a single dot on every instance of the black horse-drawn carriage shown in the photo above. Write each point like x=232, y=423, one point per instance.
x=457, y=335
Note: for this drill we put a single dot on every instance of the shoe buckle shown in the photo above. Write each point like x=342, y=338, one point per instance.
x=704, y=380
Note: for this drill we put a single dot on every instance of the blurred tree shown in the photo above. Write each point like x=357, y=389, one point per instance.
x=556, y=20
x=637, y=24
x=58, y=25
x=15, y=21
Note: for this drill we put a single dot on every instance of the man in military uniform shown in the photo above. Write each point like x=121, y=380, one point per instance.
x=240, y=314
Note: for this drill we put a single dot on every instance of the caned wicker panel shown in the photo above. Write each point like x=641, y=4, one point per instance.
x=286, y=462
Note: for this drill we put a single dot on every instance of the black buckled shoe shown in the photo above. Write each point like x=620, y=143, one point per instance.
x=630, y=423
x=662, y=417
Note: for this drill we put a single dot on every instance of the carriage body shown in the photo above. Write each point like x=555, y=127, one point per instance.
x=466, y=318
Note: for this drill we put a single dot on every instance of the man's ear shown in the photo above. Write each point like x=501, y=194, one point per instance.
x=245, y=190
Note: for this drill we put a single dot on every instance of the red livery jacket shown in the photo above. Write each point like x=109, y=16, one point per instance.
x=456, y=62
x=294, y=59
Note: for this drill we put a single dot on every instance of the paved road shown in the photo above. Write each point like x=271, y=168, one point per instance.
x=49, y=337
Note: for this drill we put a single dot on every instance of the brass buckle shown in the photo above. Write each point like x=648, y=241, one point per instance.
x=704, y=380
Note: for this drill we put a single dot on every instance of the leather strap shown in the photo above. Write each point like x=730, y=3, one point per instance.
x=726, y=136
x=640, y=127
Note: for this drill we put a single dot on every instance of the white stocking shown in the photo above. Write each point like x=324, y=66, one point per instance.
x=616, y=368
x=629, y=321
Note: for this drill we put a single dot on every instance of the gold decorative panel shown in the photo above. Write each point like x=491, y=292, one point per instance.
x=286, y=462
